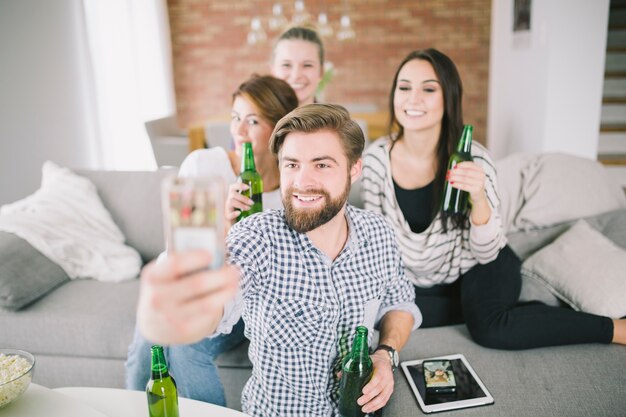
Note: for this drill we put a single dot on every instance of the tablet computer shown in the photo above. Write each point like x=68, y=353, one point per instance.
x=452, y=383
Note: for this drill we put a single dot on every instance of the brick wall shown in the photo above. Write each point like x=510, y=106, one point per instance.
x=211, y=56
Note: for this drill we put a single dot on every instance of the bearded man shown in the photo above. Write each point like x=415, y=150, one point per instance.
x=306, y=277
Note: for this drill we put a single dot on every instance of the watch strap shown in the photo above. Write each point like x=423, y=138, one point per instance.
x=393, y=354
x=384, y=347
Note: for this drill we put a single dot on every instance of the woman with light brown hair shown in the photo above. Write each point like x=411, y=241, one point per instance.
x=258, y=104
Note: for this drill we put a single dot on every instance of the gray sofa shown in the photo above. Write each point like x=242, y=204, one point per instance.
x=79, y=333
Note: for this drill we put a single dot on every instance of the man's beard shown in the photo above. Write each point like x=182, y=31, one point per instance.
x=305, y=220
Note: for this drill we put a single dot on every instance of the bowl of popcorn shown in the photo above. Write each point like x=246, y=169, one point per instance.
x=16, y=372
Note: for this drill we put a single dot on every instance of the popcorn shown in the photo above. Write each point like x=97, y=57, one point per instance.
x=11, y=368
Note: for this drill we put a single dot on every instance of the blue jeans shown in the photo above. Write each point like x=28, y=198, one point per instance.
x=192, y=366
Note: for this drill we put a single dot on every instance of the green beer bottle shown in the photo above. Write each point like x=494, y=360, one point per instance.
x=356, y=371
x=250, y=176
x=161, y=389
x=455, y=200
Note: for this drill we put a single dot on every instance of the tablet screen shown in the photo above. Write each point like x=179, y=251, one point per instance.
x=467, y=387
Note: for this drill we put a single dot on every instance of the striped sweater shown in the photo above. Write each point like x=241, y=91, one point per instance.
x=433, y=256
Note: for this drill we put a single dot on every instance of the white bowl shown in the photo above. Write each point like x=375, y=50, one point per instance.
x=12, y=386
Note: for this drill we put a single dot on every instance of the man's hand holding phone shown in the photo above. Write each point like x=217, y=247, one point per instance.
x=181, y=300
x=183, y=295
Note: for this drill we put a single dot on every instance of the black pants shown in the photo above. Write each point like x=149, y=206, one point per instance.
x=486, y=299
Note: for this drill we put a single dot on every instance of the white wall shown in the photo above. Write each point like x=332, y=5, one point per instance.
x=44, y=103
x=545, y=87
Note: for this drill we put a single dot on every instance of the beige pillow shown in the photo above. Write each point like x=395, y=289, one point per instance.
x=583, y=268
x=542, y=190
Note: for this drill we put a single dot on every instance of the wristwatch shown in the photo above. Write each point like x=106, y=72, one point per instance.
x=394, y=359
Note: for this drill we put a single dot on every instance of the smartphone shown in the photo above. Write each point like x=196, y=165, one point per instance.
x=193, y=213
x=439, y=377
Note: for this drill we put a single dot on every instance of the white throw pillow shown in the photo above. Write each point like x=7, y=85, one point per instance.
x=66, y=221
x=583, y=268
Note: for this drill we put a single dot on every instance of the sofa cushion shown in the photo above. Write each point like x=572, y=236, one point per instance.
x=66, y=221
x=525, y=243
x=577, y=380
x=25, y=274
x=583, y=268
x=83, y=318
x=134, y=200
x=549, y=381
x=612, y=225
x=547, y=189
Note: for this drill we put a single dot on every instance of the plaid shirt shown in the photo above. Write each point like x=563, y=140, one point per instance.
x=301, y=308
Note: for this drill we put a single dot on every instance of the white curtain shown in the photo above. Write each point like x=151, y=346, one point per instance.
x=129, y=49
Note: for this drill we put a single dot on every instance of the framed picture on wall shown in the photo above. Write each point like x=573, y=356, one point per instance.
x=521, y=15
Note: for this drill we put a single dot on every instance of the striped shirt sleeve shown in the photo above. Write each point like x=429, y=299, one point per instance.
x=434, y=256
x=486, y=240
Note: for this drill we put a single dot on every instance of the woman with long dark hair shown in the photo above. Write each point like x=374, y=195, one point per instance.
x=461, y=266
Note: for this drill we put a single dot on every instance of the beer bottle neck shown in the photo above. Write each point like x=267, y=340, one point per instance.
x=158, y=364
x=360, y=347
x=465, y=143
x=247, y=159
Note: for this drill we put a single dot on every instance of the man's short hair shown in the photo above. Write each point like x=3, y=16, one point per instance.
x=316, y=117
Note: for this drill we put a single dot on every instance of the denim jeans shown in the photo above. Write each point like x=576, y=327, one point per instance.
x=192, y=366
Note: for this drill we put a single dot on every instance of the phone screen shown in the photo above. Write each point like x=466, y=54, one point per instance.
x=439, y=377
x=193, y=213
x=466, y=386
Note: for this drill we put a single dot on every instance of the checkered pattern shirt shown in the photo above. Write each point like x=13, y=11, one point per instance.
x=301, y=308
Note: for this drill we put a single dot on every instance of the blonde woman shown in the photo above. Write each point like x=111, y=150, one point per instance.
x=298, y=58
